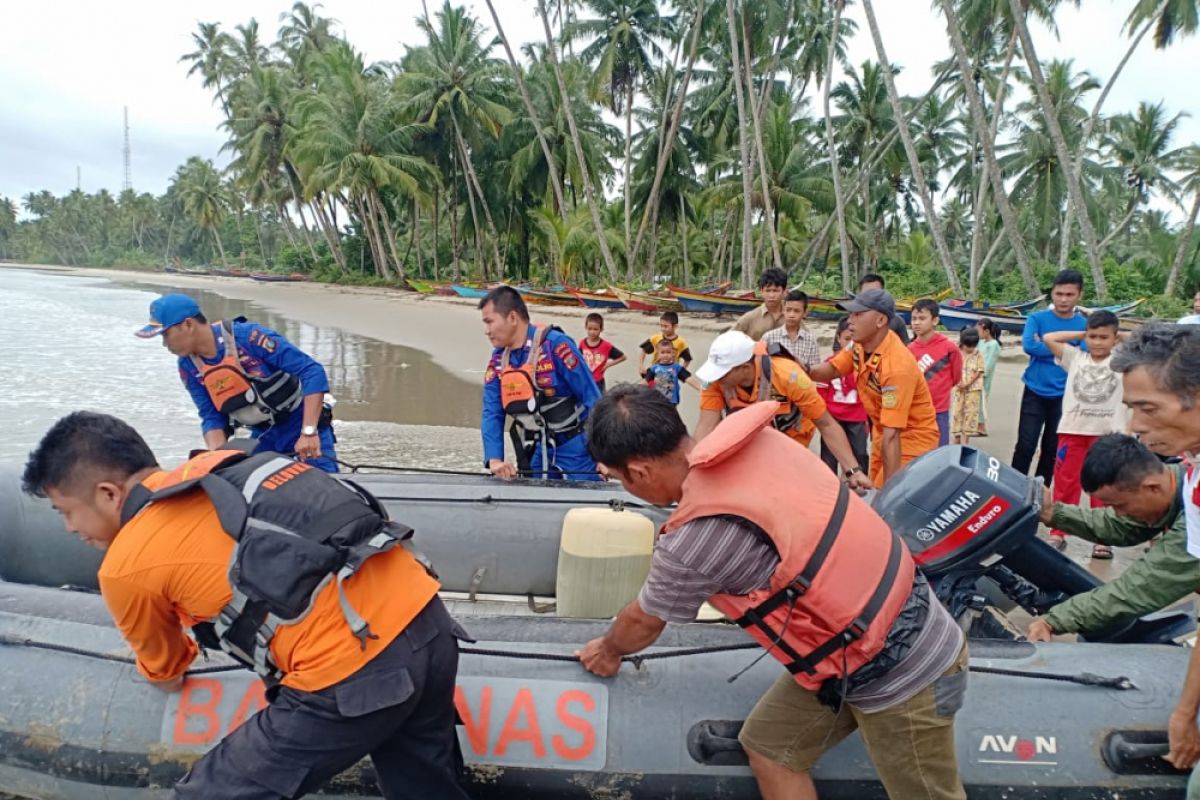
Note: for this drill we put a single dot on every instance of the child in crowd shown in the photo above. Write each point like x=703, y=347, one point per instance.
x=967, y=402
x=989, y=346
x=599, y=354
x=939, y=360
x=841, y=398
x=666, y=374
x=667, y=325
x=1092, y=406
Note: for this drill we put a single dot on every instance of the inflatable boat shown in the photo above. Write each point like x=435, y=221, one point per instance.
x=76, y=721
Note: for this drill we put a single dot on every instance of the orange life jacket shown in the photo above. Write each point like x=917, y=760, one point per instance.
x=297, y=530
x=244, y=398
x=789, y=416
x=843, y=576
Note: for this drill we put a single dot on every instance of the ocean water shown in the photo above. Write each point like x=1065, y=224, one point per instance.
x=68, y=345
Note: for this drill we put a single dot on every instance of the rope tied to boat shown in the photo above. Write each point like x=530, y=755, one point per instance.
x=357, y=468
x=1120, y=683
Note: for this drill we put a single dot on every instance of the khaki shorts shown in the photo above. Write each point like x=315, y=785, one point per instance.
x=911, y=744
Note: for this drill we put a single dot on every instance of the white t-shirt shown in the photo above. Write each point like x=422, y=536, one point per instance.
x=1190, y=319
x=1092, y=400
x=1191, y=499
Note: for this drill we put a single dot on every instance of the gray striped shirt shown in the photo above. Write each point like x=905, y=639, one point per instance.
x=731, y=555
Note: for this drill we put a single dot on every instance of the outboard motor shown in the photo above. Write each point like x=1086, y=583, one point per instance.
x=971, y=524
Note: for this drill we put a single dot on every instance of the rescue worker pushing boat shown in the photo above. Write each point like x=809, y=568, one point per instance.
x=300, y=577
x=537, y=376
x=242, y=373
x=779, y=545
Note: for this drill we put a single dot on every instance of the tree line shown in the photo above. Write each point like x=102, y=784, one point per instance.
x=640, y=141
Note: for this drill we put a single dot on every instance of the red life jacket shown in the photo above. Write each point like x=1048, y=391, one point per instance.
x=843, y=576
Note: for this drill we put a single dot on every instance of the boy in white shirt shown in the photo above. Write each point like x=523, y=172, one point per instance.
x=1091, y=406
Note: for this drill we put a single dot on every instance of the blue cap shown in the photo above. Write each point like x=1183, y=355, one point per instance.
x=168, y=310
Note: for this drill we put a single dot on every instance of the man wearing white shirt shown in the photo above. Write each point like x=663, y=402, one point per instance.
x=1160, y=368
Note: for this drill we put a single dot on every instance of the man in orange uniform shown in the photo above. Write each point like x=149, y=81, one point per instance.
x=776, y=543
x=740, y=372
x=897, y=399
x=339, y=693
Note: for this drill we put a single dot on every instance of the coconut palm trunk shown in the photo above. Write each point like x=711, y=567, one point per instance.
x=664, y=154
x=1074, y=190
x=999, y=193
x=1064, y=246
x=547, y=153
x=628, y=179
x=216, y=234
x=743, y=150
x=389, y=232
x=1185, y=240
x=761, y=152
x=589, y=196
x=839, y=198
x=473, y=180
x=910, y=150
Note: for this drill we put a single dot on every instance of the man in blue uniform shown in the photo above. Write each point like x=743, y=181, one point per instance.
x=245, y=374
x=549, y=395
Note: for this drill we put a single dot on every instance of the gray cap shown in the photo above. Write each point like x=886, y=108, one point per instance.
x=870, y=300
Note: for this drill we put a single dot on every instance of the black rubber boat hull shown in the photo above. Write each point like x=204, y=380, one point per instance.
x=75, y=726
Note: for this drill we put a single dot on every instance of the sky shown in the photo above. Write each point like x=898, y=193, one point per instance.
x=68, y=68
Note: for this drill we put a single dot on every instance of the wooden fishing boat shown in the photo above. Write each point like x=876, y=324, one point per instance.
x=957, y=319
x=1120, y=309
x=471, y=292
x=601, y=299
x=420, y=286
x=548, y=297
x=645, y=301
x=699, y=302
x=1020, y=308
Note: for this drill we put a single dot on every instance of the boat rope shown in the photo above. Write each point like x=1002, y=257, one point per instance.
x=616, y=503
x=357, y=468
x=1084, y=678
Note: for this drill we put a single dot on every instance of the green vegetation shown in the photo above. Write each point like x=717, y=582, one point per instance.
x=641, y=140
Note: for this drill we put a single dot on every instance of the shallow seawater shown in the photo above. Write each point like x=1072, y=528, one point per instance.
x=68, y=345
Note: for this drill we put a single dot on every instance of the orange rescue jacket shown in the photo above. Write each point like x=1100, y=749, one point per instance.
x=843, y=576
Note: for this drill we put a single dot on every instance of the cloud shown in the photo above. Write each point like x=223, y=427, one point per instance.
x=69, y=67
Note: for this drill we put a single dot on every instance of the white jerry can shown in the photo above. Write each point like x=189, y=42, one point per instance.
x=603, y=559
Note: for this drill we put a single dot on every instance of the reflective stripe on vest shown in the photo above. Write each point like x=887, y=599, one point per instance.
x=296, y=530
x=244, y=398
x=843, y=576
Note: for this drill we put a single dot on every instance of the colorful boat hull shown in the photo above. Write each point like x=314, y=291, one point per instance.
x=597, y=299
x=546, y=297
x=645, y=301
x=701, y=303
x=470, y=292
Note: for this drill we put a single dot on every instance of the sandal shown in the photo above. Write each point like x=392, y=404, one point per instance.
x=1059, y=543
x=1102, y=552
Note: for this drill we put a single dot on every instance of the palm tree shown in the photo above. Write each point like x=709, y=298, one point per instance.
x=620, y=41
x=743, y=150
x=589, y=195
x=211, y=58
x=354, y=140
x=673, y=123
x=910, y=150
x=1174, y=18
x=205, y=197
x=834, y=158
x=518, y=73
x=1074, y=190
x=453, y=82
x=1188, y=162
x=1139, y=143
x=988, y=145
x=304, y=34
